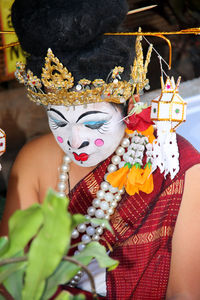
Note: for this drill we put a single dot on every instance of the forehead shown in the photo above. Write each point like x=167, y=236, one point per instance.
x=73, y=112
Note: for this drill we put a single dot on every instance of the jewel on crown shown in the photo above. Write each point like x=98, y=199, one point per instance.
x=57, y=87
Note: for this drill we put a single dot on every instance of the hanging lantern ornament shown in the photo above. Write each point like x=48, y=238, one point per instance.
x=168, y=111
x=169, y=106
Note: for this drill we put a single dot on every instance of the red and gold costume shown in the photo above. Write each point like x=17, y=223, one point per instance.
x=143, y=227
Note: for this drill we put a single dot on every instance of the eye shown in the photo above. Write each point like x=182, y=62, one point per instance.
x=94, y=124
x=59, y=123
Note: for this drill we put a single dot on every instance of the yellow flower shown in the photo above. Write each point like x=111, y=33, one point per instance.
x=119, y=177
x=139, y=180
x=147, y=180
x=133, y=177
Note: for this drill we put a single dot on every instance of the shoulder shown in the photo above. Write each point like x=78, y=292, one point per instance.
x=39, y=144
x=36, y=150
x=185, y=263
x=34, y=158
x=192, y=186
x=35, y=162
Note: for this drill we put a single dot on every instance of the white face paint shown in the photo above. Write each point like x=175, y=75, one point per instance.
x=88, y=135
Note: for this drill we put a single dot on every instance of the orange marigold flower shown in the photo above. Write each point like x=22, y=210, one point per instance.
x=119, y=177
x=139, y=180
x=147, y=182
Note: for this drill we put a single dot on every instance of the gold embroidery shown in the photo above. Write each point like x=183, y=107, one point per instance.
x=148, y=237
x=92, y=184
x=175, y=188
x=118, y=223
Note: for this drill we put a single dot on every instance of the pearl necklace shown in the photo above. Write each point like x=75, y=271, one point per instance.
x=103, y=205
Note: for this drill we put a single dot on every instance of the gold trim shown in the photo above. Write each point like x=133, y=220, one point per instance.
x=92, y=184
x=59, y=82
x=148, y=237
x=176, y=188
x=173, y=120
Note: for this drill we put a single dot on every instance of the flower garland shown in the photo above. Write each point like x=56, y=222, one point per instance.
x=135, y=174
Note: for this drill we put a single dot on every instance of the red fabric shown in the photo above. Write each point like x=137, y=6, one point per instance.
x=139, y=121
x=143, y=226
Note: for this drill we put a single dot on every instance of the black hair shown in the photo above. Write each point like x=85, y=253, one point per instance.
x=74, y=30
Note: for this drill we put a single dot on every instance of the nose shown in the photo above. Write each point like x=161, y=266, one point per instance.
x=84, y=144
x=77, y=138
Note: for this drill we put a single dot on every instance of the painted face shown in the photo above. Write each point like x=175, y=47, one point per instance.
x=88, y=135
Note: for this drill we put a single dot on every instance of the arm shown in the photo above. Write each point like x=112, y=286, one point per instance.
x=184, y=280
x=22, y=186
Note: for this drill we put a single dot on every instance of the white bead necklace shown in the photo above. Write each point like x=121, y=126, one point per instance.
x=103, y=205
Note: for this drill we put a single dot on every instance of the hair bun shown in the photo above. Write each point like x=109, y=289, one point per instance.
x=63, y=24
x=74, y=30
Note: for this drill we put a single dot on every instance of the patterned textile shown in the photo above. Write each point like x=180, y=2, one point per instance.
x=143, y=226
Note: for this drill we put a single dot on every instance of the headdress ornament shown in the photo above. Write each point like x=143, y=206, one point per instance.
x=58, y=83
x=60, y=89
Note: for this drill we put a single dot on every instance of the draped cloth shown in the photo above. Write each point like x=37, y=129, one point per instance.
x=143, y=226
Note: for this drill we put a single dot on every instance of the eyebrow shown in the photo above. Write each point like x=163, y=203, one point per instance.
x=59, y=113
x=90, y=113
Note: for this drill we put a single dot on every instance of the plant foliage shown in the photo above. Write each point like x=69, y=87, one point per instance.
x=45, y=229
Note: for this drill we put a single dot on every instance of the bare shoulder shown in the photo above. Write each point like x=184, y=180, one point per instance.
x=193, y=171
x=185, y=262
x=192, y=186
x=28, y=173
x=38, y=146
x=34, y=153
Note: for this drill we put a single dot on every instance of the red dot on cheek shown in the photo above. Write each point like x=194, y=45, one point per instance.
x=60, y=139
x=99, y=142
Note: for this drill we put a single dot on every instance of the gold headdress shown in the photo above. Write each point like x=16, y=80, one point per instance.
x=58, y=82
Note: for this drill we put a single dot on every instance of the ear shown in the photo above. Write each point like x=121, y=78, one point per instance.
x=131, y=103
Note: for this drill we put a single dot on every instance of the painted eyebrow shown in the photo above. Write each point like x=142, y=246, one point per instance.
x=59, y=113
x=90, y=113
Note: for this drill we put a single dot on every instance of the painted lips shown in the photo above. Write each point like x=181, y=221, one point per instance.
x=81, y=156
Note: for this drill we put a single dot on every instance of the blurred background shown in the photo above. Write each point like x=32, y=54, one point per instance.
x=23, y=120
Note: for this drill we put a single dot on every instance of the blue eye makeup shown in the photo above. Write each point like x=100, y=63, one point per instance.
x=58, y=123
x=94, y=124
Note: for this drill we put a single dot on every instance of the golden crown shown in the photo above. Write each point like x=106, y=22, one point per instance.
x=56, y=86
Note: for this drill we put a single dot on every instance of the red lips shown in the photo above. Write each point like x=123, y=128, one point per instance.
x=81, y=156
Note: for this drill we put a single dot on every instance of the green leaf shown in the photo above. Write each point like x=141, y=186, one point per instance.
x=137, y=165
x=77, y=219
x=49, y=246
x=3, y=241
x=7, y=270
x=12, y=277
x=63, y=274
x=100, y=222
x=128, y=165
x=3, y=244
x=64, y=296
x=67, y=296
x=79, y=297
x=14, y=284
x=2, y=297
x=97, y=251
x=67, y=270
x=23, y=225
